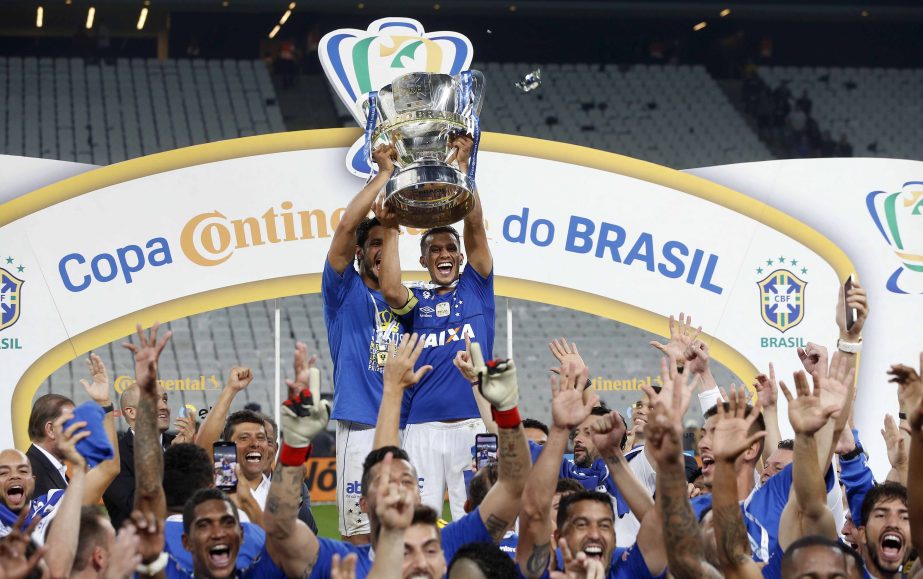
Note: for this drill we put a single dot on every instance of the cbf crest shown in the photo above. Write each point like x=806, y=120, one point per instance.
x=782, y=297
x=357, y=62
x=10, y=295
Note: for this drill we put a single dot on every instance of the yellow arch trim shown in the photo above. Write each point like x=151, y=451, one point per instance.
x=281, y=287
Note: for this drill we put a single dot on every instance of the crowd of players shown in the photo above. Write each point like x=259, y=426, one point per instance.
x=413, y=386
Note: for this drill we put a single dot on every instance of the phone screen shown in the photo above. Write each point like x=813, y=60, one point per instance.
x=485, y=446
x=225, y=455
x=851, y=314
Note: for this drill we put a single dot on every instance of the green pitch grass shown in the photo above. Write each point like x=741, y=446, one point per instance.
x=326, y=517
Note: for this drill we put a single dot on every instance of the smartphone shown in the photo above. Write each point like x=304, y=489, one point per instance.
x=225, y=457
x=851, y=314
x=485, y=446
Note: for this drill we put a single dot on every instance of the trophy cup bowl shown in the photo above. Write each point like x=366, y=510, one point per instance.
x=419, y=114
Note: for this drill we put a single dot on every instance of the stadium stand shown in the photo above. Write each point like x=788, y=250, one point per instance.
x=624, y=109
x=103, y=114
x=878, y=109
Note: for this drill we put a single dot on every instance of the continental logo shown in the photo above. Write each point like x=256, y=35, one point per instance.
x=207, y=239
x=212, y=238
x=200, y=383
x=619, y=384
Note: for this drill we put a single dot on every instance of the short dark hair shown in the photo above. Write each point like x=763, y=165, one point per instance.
x=787, y=444
x=568, y=486
x=758, y=425
x=364, y=228
x=425, y=515
x=201, y=496
x=47, y=408
x=241, y=417
x=374, y=458
x=536, y=424
x=92, y=534
x=570, y=500
x=880, y=493
x=187, y=468
x=816, y=541
x=275, y=427
x=493, y=563
x=434, y=231
x=481, y=483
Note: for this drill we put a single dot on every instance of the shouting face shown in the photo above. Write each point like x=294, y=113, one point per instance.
x=590, y=528
x=442, y=258
x=214, y=539
x=886, y=535
x=369, y=255
x=16, y=481
x=253, y=450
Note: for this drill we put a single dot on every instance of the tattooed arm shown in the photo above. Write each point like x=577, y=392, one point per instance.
x=289, y=542
x=498, y=385
x=664, y=438
x=568, y=410
x=149, y=495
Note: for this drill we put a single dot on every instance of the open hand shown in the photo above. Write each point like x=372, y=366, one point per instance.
x=681, y=337
x=807, y=414
x=730, y=439
x=399, y=370
x=566, y=353
x=895, y=443
x=909, y=384
x=568, y=409
x=98, y=389
x=147, y=355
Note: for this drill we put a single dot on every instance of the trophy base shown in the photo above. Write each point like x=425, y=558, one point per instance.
x=425, y=195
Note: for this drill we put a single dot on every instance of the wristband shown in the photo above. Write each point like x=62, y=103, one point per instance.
x=155, y=566
x=902, y=415
x=506, y=418
x=294, y=455
x=852, y=453
x=108, y=407
x=849, y=347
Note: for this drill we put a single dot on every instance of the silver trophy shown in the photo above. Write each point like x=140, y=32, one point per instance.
x=419, y=113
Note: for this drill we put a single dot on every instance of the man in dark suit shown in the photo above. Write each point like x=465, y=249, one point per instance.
x=47, y=461
x=119, y=498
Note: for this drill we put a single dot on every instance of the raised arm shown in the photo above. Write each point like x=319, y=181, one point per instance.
x=915, y=491
x=394, y=507
x=64, y=532
x=464, y=364
x=150, y=500
x=213, y=425
x=343, y=245
x=149, y=495
x=896, y=442
x=475, y=234
x=730, y=442
x=498, y=385
x=398, y=376
x=101, y=476
x=767, y=392
x=664, y=443
x=568, y=410
x=290, y=543
x=398, y=297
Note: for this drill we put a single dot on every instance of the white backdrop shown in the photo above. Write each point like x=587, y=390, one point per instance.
x=214, y=225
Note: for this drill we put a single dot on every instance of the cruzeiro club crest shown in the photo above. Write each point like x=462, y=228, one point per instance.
x=10, y=293
x=782, y=292
x=359, y=61
x=899, y=219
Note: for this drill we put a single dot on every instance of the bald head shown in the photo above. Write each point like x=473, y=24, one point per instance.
x=16, y=481
x=128, y=403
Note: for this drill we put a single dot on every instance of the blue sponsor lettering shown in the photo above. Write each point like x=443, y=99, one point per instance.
x=105, y=267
